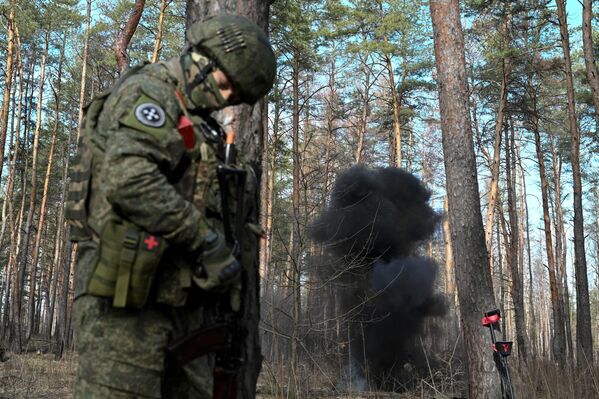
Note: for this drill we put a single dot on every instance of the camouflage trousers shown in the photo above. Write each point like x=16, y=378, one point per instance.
x=122, y=351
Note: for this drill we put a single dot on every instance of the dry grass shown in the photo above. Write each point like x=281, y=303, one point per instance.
x=322, y=382
x=543, y=379
x=33, y=376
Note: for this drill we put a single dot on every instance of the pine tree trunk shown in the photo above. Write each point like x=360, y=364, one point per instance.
x=526, y=230
x=250, y=125
x=8, y=197
x=394, y=100
x=331, y=126
x=41, y=285
x=4, y=272
x=499, y=122
x=16, y=229
x=365, y=110
x=84, y=69
x=58, y=249
x=561, y=245
x=269, y=199
x=596, y=203
x=584, y=338
x=61, y=245
x=124, y=37
x=32, y=195
x=589, y=56
x=42, y=217
x=158, y=43
x=265, y=204
x=15, y=325
x=502, y=243
x=62, y=324
x=295, y=244
x=514, y=240
x=10, y=41
x=558, y=346
x=450, y=283
x=475, y=290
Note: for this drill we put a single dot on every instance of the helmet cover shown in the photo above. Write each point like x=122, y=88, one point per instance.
x=241, y=49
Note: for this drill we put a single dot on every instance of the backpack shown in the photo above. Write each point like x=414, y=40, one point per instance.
x=80, y=172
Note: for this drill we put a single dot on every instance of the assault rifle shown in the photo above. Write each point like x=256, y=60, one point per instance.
x=226, y=337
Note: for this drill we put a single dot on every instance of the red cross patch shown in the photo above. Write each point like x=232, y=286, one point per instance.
x=151, y=243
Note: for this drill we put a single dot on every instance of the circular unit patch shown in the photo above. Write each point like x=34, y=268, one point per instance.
x=150, y=114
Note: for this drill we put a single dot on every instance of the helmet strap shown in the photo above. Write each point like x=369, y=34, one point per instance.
x=201, y=89
x=200, y=76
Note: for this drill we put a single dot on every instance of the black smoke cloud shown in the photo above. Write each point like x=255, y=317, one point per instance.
x=375, y=213
x=372, y=229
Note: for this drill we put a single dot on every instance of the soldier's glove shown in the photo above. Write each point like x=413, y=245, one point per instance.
x=217, y=268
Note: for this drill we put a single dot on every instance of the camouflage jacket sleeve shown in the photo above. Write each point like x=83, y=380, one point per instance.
x=144, y=158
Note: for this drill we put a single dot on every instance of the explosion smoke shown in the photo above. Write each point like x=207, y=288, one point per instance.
x=373, y=226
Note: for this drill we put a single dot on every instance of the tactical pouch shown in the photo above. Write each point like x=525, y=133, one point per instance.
x=128, y=261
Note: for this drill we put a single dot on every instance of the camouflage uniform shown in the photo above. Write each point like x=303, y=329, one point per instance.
x=146, y=177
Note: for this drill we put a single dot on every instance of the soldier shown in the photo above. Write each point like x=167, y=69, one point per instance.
x=146, y=209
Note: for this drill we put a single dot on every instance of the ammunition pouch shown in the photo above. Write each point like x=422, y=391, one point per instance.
x=127, y=264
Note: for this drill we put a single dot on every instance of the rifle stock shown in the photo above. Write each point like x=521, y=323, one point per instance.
x=198, y=343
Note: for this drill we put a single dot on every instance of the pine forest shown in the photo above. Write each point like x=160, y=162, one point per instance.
x=421, y=164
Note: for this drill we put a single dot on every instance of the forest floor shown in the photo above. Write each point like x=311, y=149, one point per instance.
x=34, y=376
x=40, y=376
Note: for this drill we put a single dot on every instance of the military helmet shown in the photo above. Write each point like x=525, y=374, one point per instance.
x=241, y=49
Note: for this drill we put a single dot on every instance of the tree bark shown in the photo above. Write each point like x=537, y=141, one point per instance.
x=561, y=244
x=84, y=69
x=268, y=199
x=15, y=329
x=295, y=262
x=499, y=122
x=59, y=259
x=7, y=83
x=514, y=241
x=558, y=340
x=124, y=37
x=450, y=283
x=12, y=293
x=8, y=200
x=394, y=100
x=265, y=203
x=249, y=121
x=331, y=128
x=475, y=290
x=158, y=43
x=33, y=192
x=62, y=323
x=365, y=110
x=589, y=56
x=526, y=230
x=584, y=337
x=42, y=217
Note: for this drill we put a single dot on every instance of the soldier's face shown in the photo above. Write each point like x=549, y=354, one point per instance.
x=227, y=91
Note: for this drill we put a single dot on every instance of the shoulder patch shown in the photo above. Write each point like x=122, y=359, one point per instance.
x=150, y=114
